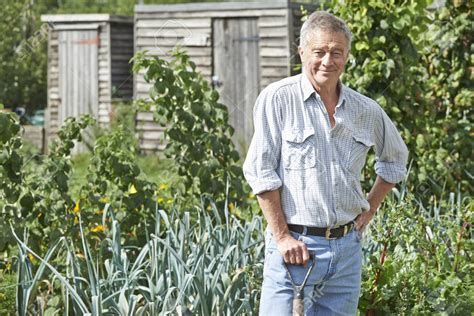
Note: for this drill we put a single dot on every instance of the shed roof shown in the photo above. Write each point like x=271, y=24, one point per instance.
x=74, y=18
x=214, y=6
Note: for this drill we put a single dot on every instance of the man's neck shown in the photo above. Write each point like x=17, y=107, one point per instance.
x=329, y=94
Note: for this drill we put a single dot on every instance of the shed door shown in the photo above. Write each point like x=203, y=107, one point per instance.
x=78, y=75
x=236, y=72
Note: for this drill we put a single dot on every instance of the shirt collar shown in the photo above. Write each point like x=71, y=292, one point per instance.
x=308, y=89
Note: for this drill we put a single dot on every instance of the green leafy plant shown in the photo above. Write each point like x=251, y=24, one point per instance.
x=207, y=266
x=416, y=63
x=419, y=260
x=37, y=198
x=197, y=126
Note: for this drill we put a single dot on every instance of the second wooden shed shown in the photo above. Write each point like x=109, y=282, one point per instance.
x=88, y=67
x=239, y=47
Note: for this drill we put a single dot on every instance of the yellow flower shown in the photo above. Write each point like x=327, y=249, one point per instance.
x=231, y=207
x=163, y=186
x=105, y=199
x=76, y=209
x=32, y=258
x=160, y=200
x=132, y=189
x=169, y=201
x=98, y=229
x=76, y=220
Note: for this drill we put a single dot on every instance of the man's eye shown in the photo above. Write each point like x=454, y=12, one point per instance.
x=319, y=52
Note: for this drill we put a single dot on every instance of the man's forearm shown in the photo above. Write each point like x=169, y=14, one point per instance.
x=375, y=198
x=292, y=250
x=270, y=203
x=378, y=192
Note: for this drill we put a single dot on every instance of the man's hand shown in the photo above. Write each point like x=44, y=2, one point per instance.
x=375, y=197
x=292, y=250
x=363, y=219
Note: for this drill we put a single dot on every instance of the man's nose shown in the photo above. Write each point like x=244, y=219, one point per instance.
x=327, y=60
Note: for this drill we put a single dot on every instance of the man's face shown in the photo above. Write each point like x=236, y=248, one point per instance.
x=324, y=58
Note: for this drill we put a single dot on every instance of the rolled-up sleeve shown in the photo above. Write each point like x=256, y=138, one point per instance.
x=263, y=157
x=390, y=150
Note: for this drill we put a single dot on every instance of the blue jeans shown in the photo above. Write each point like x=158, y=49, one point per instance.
x=333, y=288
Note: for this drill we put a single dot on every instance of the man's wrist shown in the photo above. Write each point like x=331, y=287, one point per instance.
x=282, y=235
x=373, y=210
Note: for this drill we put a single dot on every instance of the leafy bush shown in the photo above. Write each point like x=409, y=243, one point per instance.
x=37, y=198
x=419, y=260
x=23, y=55
x=196, y=126
x=417, y=64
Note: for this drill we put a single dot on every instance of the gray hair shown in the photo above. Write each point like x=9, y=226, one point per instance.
x=324, y=21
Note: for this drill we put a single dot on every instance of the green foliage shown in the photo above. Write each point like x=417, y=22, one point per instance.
x=23, y=55
x=204, y=266
x=196, y=126
x=113, y=175
x=417, y=64
x=418, y=260
x=444, y=143
x=37, y=197
x=7, y=293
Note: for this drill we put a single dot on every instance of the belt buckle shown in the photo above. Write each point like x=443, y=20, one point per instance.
x=328, y=234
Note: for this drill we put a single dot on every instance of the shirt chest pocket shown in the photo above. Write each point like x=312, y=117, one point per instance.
x=298, y=149
x=361, y=144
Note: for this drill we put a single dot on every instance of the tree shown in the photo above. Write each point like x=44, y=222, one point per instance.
x=23, y=55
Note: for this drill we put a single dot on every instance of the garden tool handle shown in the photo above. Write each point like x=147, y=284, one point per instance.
x=298, y=301
x=298, y=298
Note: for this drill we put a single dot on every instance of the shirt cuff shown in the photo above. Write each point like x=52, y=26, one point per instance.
x=260, y=185
x=392, y=172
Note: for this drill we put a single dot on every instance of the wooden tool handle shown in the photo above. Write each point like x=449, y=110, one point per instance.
x=298, y=307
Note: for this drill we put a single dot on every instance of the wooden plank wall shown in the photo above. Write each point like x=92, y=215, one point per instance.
x=104, y=58
x=52, y=120
x=114, y=80
x=159, y=32
x=51, y=113
x=78, y=73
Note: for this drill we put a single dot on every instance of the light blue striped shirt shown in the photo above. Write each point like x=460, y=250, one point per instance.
x=317, y=168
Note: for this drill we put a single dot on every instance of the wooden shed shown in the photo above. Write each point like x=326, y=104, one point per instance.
x=239, y=47
x=88, y=67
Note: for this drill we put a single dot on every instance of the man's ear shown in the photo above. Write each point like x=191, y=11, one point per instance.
x=301, y=51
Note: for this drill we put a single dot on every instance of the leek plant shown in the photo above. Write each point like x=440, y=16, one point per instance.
x=204, y=265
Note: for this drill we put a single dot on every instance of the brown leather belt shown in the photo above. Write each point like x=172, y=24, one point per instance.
x=329, y=233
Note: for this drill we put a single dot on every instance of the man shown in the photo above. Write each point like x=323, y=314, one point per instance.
x=311, y=138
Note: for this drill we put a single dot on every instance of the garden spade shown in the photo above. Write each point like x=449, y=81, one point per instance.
x=298, y=299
